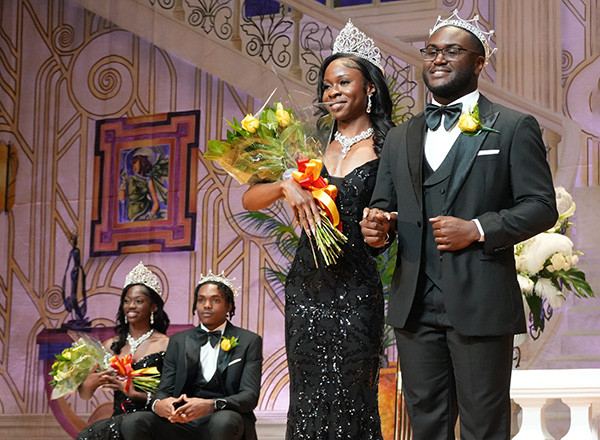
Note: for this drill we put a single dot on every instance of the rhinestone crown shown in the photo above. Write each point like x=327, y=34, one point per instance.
x=354, y=42
x=142, y=275
x=220, y=278
x=468, y=25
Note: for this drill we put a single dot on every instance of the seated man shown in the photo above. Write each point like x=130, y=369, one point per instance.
x=211, y=376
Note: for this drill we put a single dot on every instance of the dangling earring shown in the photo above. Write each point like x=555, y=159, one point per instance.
x=369, y=102
x=152, y=318
x=126, y=319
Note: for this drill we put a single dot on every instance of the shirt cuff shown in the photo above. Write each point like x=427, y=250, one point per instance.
x=480, y=229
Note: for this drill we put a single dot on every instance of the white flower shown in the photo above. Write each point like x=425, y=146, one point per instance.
x=538, y=249
x=573, y=259
x=560, y=262
x=526, y=307
x=546, y=290
x=526, y=286
x=565, y=207
x=564, y=203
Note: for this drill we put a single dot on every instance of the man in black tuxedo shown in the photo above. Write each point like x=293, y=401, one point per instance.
x=458, y=203
x=210, y=381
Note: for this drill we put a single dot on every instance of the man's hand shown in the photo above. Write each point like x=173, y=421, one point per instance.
x=453, y=234
x=166, y=407
x=193, y=408
x=375, y=226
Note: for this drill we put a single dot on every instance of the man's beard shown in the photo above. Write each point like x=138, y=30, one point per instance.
x=452, y=88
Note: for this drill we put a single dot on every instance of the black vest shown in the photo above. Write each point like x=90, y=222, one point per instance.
x=435, y=187
x=207, y=390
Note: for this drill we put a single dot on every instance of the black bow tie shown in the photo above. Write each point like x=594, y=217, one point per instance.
x=433, y=115
x=204, y=336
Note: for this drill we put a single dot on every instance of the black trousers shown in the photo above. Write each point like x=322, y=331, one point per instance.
x=221, y=425
x=445, y=374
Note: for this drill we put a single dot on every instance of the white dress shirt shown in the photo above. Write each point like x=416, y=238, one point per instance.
x=209, y=355
x=439, y=142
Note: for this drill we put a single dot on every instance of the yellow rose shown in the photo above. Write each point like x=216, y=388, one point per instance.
x=283, y=116
x=66, y=353
x=250, y=123
x=225, y=345
x=468, y=124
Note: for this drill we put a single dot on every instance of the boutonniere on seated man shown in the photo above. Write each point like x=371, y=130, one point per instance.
x=470, y=124
x=229, y=343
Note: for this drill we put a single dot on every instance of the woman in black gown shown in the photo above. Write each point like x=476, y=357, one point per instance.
x=334, y=314
x=140, y=332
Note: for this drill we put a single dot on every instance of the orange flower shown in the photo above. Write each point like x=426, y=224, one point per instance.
x=123, y=368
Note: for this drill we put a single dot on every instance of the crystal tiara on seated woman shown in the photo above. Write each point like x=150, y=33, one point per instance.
x=140, y=274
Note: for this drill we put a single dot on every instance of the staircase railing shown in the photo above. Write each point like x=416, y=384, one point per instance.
x=579, y=389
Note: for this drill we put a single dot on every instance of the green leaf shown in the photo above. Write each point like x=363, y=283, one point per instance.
x=536, y=306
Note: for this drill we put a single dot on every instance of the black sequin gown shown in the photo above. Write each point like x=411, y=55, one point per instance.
x=334, y=328
x=109, y=429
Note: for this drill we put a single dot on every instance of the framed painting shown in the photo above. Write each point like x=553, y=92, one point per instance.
x=145, y=171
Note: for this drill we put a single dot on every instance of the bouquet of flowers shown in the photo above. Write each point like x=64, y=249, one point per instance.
x=546, y=265
x=275, y=145
x=74, y=363
x=261, y=148
x=144, y=379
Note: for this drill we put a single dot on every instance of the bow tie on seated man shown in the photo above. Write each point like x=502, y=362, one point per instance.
x=433, y=115
x=204, y=336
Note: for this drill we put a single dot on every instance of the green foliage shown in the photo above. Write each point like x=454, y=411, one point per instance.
x=386, y=262
x=398, y=114
x=536, y=306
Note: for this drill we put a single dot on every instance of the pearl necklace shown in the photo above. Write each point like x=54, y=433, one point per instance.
x=135, y=343
x=348, y=143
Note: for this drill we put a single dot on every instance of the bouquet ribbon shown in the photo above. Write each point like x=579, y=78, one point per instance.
x=123, y=368
x=309, y=177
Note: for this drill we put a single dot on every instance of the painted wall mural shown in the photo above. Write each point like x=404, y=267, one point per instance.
x=63, y=71
x=144, y=196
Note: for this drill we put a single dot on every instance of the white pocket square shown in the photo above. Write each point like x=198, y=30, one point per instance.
x=235, y=361
x=487, y=152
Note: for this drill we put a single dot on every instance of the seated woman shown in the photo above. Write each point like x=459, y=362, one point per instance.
x=140, y=332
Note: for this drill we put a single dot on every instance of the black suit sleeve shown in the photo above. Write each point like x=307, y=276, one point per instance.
x=169, y=372
x=534, y=208
x=384, y=195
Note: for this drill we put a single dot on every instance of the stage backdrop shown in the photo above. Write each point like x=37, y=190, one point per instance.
x=63, y=70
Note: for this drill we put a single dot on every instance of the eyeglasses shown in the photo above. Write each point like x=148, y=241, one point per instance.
x=449, y=53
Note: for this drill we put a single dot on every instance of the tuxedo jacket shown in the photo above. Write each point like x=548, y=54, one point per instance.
x=503, y=180
x=238, y=371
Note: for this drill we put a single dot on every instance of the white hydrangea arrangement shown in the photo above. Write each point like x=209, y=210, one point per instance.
x=546, y=266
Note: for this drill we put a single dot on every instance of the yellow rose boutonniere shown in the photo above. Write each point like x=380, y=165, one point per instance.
x=250, y=123
x=283, y=116
x=229, y=343
x=470, y=124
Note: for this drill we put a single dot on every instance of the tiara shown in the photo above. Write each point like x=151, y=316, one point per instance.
x=220, y=278
x=142, y=275
x=354, y=42
x=468, y=25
